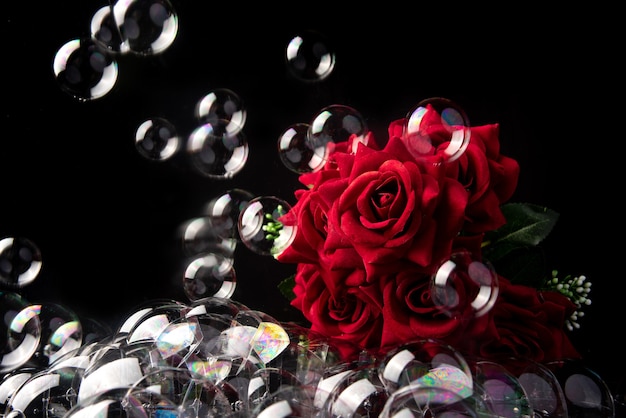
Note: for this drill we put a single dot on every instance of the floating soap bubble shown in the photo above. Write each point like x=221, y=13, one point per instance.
x=146, y=26
x=104, y=29
x=260, y=227
x=437, y=128
x=463, y=287
x=310, y=56
x=157, y=139
x=223, y=211
x=503, y=393
x=417, y=362
x=295, y=150
x=20, y=261
x=543, y=389
x=200, y=235
x=586, y=393
x=61, y=333
x=84, y=69
x=209, y=275
x=147, y=321
x=216, y=152
x=336, y=126
x=20, y=331
x=222, y=106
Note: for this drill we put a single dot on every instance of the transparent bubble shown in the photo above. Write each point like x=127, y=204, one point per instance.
x=260, y=228
x=437, y=128
x=147, y=321
x=20, y=261
x=199, y=236
x=266, y=382
x=20, y=332
x=223, y=211
x=222, y=106
x=463, y=287
x=543, y=389
x=209, y=274
x=104, y=30
x=11, y=381
x=225, y=307
x=286, y=402
x=157, y=139
x=586, y=393
x=216, y=152
x=146, y=26
x=310, y=56
x=61, y=332
x=503, y=393
x=423, y=401
x=295, y=150
x=425, y=362
x=84, y=69
x=336, y=126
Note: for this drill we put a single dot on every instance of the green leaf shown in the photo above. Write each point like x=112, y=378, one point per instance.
x=527, y=225
x=525, y=266
x=286, y=287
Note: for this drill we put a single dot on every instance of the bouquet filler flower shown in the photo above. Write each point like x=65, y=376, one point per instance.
x=416, y=239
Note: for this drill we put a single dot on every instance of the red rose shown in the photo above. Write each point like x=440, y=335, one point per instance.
x=346, y=313
x=527, y=324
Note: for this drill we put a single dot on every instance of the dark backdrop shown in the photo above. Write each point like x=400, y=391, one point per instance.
x=105, y=218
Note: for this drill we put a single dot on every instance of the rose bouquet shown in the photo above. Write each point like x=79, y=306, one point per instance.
x=416, y=239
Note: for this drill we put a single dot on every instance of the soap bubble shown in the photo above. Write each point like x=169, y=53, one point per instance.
x=157, y=139
x=295, y=150
x=216, y=151
x=208, y=275
x=336, y=126
x=260, y=228
x=146, y=26
x=504, y=395
x=200, y=235
x=437, y=128
x=20, y=261
x=223, y=212
x=104, y=29
x=463, y=287
x=310, y=56
x=222, y=106
x=84, y=69
x=20, y=331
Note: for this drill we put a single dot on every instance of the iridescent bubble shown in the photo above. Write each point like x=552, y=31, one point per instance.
x=310, y=56
x=463, y=287
x=62, y=332
x=437, y=128
x=223, y=211
x=215, y=152
x=295, y=151
x=209, y=275
x=146, y=26
x=336, y=126
x=20, y=331
x=84, y=69
x=20, y=261
x=157, y=139
x=104, y=29
x=260, y=227
x=222, y=106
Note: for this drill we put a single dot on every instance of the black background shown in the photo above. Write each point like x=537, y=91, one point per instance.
x=105, y=218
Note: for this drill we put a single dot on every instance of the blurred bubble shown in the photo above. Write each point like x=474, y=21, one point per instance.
x=222, y=106
x=157, y=139
x=84, y=69
x=20, y=261
x=199, y=235
x=216, y=152
x=209, y=274
x=463, y=287
x=295, y=150
x=104, y=29
x=586, y=393
x=20, y=332
x=336, y=126
x=146, y=26
x=543, y=389
x=223, y=212
x=437, y=127
x=503, y=393
x=310, y=56
x=260, y=228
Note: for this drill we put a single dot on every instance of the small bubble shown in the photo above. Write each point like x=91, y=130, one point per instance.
x=310, y=56
x=260, y=227
x=20, y=261
x=222, y=105
x=156, y=139
x=209, y=275
x=295, y=151
x=84, y=69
